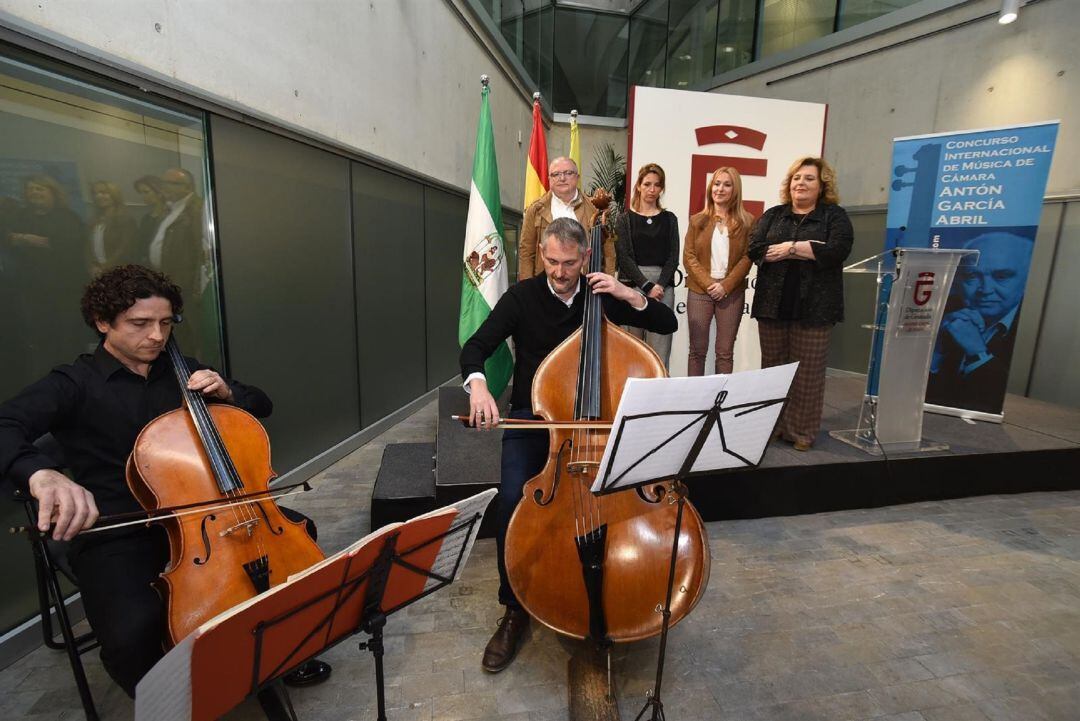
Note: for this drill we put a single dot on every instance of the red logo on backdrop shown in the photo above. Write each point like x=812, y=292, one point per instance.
x=703, y=165
x=924, y=288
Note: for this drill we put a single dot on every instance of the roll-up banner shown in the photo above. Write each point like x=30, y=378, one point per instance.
x=978, y=189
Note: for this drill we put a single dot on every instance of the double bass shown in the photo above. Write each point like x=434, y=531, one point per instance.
x=216, y=458
x=597, y=566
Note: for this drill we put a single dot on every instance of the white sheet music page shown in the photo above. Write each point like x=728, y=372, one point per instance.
x=459, y=544
x=659, y=419
x=164, y=693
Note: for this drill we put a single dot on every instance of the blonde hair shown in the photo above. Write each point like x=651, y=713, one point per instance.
x=635, y=200
x=115, y=194
x=739, y=219
x=830, y=194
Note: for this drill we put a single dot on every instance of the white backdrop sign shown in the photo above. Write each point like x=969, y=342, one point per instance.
x=690, y=134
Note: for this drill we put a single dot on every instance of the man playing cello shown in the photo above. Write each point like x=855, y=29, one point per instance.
x=95, y=408
x=539, y=313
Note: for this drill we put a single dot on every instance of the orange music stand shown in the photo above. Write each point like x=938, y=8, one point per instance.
x=250, y=647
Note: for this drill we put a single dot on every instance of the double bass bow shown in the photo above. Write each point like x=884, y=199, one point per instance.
x=229, y=551
x=592, y=566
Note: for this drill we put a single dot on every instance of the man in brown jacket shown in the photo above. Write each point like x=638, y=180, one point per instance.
x=564, y=200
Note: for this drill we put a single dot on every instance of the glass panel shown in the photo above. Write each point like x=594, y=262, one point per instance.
x=444, y=234
x=590, y=62
x=86, y=181
x=691, y=42
x=853, y=12
x=648, y=44
x=1055, y=374
x=527, y=26
x=388, y=244
x=788, y=23
x=271, y=192
x=735, y=35
x=510, y=238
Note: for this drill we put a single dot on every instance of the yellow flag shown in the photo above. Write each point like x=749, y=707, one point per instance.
x=575, y=140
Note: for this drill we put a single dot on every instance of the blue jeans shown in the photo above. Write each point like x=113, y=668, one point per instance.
x=523, y=456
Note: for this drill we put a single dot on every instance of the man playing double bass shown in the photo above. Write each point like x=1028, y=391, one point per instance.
x=95, y=408
x=539, y=313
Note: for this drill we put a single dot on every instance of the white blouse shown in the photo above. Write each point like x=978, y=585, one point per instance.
x=719, y=254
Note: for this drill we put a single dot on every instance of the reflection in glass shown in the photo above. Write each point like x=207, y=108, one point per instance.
x=90, y=179
x=648, y=44
x=788, y=23
x=853, y=12
x=590, y=62
x=735, y=34
x=691, y=41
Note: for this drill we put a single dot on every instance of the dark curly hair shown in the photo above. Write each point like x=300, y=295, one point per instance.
x=115, y=290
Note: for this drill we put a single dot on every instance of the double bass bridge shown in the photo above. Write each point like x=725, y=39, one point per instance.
x=582, y=467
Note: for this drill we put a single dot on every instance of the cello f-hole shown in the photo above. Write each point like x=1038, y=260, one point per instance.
x=276, y=531
x=205, y=540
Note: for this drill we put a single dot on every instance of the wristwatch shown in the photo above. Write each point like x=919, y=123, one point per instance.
x=791, y=250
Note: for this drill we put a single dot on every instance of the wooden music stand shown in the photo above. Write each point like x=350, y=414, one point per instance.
x=250, y=647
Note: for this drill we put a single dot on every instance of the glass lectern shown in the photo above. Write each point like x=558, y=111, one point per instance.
x=913, y=285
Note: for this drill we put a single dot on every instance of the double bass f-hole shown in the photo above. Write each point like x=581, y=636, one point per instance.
x=538, y=496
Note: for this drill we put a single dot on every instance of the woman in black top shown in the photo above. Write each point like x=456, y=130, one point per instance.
x=800, y=248
x=647, y=249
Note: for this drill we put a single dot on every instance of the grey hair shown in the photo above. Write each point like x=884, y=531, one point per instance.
x=568, y=232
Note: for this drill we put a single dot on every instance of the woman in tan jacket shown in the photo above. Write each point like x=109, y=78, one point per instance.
x=714, y=255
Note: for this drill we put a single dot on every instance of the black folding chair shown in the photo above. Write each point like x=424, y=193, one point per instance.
x=50, y=561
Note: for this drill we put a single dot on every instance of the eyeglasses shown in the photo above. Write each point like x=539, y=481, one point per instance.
x=563, y=174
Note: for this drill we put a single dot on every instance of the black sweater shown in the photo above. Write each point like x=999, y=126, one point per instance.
x=538, y=321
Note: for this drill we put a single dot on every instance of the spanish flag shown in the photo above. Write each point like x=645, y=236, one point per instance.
x=536, y=179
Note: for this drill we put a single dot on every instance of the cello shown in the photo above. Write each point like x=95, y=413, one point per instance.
x=591, y=566
x=234, y=550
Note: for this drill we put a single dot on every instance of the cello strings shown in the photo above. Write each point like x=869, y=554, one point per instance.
x=212, y=443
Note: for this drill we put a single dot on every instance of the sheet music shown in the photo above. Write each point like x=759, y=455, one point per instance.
x=663, y=417
x=164, y=693
x=451, y=550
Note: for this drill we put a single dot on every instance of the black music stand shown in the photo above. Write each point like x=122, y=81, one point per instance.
x=247, y=650
x=681, y=439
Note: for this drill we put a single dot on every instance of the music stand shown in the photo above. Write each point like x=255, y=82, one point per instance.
x=250, y=647
x=688, y=427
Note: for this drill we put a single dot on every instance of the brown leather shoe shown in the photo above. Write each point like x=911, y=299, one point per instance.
x=802, y=445
x=503, y=646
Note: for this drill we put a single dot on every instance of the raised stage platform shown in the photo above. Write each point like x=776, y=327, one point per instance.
x=1037, y=448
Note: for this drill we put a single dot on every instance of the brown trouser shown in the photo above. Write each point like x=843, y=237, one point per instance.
x=808, y=343
x=701, y=309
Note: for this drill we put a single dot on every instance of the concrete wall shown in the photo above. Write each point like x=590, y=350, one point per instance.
x=397, y=79
x=975, y=76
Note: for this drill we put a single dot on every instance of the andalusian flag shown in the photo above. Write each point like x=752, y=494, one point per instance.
x=536, y=179
x=483, y=278
x=575, y=140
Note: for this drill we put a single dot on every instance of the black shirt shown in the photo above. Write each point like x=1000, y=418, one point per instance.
x=95, y=408
x=650, y=238
x=538, y=321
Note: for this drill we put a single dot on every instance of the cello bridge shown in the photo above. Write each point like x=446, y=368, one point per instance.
x=248, y=526
x=582, y=466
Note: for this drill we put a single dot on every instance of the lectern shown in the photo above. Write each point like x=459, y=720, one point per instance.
x=912, y=288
